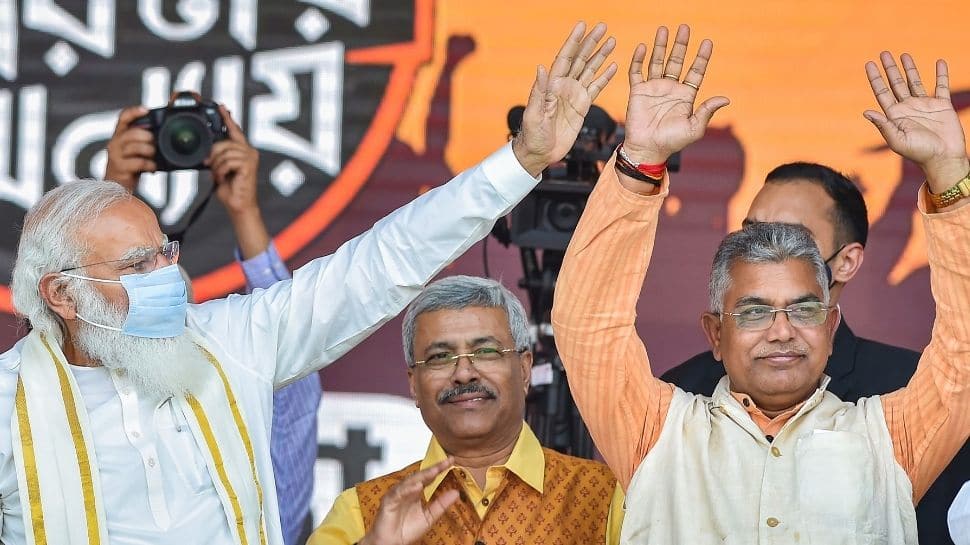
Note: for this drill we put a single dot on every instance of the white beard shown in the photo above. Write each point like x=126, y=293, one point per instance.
x=157, y=368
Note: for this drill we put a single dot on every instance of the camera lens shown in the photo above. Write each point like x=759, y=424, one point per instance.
x=184, y=140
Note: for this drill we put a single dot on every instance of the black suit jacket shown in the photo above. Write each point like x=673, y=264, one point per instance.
x=859, y=368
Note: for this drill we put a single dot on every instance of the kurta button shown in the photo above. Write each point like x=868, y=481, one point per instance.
x=485, y=502
x=479, y=542
x=746, y=402
x=775, y=452
x=772, y=521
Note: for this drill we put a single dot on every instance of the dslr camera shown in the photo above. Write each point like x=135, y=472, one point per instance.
x=184, y=131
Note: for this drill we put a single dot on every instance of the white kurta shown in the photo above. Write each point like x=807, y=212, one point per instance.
x=829, y=477
x=154, y=480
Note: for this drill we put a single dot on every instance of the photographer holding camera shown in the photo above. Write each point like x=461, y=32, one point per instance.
x=234, y=165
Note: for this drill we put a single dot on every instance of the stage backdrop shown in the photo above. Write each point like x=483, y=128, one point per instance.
x=358, y=106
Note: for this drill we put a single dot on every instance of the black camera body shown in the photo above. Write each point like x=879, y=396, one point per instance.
x=184, y=131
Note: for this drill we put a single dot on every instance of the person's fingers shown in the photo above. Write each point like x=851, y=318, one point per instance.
x=567, y=53
x=224, y=145
x=415, y=483
x=426, y=475
x=636, y=64
x=675, y=63
x=942, y=80
x=225, y=168
x=601, y=82
x=224, y=154
x=145, y=165
x=889, y=131
x=912, y=76
x=131, y=166
x=133, y=148
x=127, y=116
x=235, y=133
x=695, y=76
x=401, y=493
x=883, y=94
x=138, y=134
x=586, y=49
x=896, y=81
x=657, y=55
x=708, y=108
x=535, y=94
x=597, y=61
x=440, y=505
x=234, y=158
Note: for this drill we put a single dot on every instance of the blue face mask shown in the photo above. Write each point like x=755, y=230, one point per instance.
x=156, y=303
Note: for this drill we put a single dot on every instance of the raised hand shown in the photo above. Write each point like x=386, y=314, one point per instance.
x=403, y=518
x=660, y=114
x=561, y=97
x=922, y=128
x=131, y=150
x=234, y=165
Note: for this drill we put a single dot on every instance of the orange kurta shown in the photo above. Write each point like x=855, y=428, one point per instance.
x=572, y=508
x=625, y=406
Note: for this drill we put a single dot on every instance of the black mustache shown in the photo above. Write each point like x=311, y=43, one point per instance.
x=462, y=389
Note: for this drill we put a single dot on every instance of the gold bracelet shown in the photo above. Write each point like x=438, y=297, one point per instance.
x=957, y=192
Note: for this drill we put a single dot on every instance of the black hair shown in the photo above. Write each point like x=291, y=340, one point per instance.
x=849, y=216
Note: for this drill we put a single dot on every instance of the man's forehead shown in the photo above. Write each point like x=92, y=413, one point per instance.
x=120, y=228
x=790, y=201
x=458, y=326
x=774, y=283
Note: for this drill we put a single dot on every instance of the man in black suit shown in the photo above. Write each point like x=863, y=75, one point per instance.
x=832, y=208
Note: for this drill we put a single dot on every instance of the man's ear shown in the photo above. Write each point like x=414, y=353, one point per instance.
x=848, y=262
x=525, y=361
x=53, y=289
x=411, y=386
x=834, y=319
x=711, y=324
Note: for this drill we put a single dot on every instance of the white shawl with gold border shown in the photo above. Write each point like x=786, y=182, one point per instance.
x=57, y=469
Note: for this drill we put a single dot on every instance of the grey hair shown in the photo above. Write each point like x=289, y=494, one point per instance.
x=764, y=243
x=49, y=243
x=459, y=292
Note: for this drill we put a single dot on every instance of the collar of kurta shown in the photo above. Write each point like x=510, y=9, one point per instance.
x=527, y=461
x=723, y=395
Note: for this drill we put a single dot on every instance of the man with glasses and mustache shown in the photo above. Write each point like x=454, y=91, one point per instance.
x=154, y=427
x=485, y=476
x=830, y=205
x=771, y=456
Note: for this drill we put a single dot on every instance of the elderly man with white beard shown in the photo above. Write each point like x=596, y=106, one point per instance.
x=128, y=416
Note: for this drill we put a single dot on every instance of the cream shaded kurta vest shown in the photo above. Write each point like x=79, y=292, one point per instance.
x=828, y=478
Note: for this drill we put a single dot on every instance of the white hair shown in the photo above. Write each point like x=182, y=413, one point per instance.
x=157, y=368
x=49, y=243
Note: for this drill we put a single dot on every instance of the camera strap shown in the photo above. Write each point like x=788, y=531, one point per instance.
x=196, y=213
